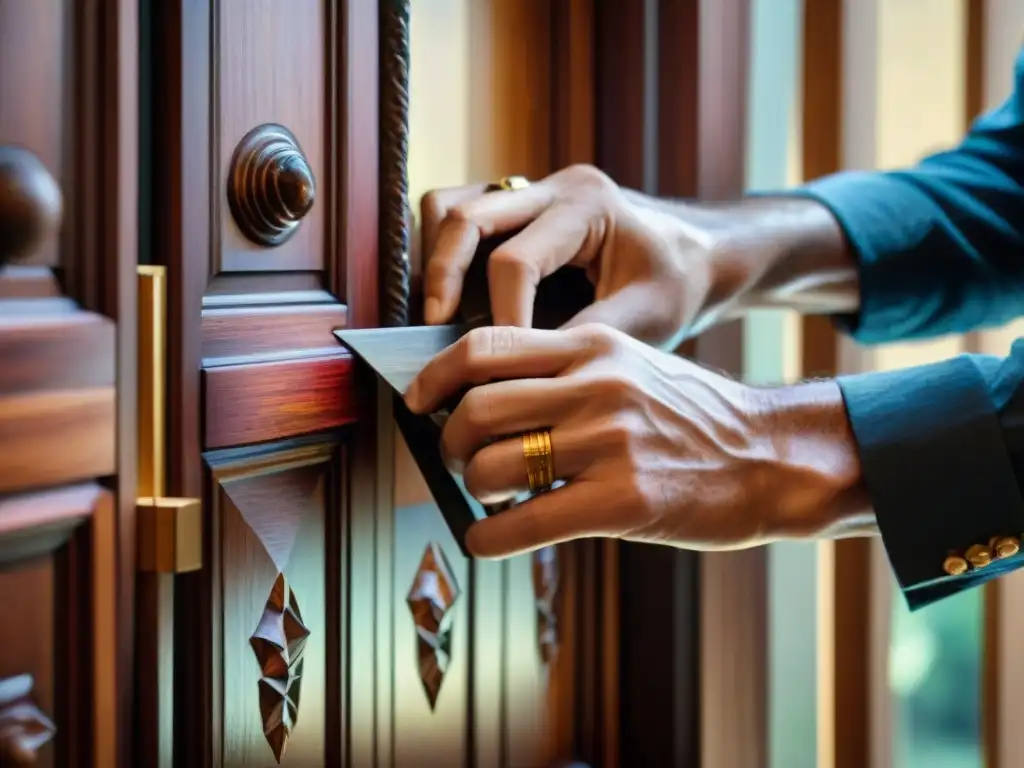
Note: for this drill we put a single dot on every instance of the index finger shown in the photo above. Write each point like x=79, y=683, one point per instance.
x=492, y=353
x=458, y=236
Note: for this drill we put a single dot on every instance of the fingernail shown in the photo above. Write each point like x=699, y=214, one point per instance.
x=431, y=310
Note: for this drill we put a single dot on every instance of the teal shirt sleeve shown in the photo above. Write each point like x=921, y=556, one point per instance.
x=940, y=248
x=940, y=245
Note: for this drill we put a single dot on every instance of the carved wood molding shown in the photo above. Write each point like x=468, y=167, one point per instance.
x=279, y=642
x=431, y=597
x=24, y=728
x=394, y=153
x=545, y=596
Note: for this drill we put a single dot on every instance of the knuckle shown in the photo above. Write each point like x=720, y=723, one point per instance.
x=461, y=213
x=482, y=345
x=508, y=264
x=611, y=388
x=586, y=175
x=475, y=348
x=439, y=268
x=474, y=345
x=619, y=436
x=475, y=479
x=600, y=338
x=475, y=410
x=432, y=205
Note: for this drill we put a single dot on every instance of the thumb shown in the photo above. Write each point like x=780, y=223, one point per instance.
x=644, y=310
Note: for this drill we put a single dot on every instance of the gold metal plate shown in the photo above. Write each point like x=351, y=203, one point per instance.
x=170, y=535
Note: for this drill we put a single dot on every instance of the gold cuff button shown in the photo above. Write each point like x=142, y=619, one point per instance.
x=954, y=565
x=1005, y=546
x=979, y=555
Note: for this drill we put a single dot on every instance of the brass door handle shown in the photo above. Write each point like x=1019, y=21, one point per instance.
x=30, y=203
x=169, y=530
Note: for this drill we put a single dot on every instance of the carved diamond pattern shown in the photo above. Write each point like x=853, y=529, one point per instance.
x=24, y=728
x=545, y=593
x=279, y=642
x=433, y=593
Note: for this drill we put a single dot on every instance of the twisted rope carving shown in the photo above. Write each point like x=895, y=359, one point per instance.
x=394, y=152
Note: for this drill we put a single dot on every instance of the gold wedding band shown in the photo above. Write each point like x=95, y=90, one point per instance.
x=509, y=184
x=540, y=463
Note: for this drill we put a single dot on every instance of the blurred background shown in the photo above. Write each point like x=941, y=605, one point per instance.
x=812, y=87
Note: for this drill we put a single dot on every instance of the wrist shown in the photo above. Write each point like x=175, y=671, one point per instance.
x=775, y=252
x=815, y=487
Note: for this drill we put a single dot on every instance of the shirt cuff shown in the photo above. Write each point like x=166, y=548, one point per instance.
x=937, y=470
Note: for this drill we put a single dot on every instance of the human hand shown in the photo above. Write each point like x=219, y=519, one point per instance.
x=653, y=448
x=650, y=269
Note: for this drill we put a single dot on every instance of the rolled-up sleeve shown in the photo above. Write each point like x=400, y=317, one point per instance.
x=940, y=249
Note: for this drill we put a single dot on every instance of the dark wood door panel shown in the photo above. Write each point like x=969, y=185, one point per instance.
x=67, y=315
x=48, y=663
x=261, y=392
x=272, y=624
x=271, y=70
x=34, y=108
x=30, y=588
x=57, y=399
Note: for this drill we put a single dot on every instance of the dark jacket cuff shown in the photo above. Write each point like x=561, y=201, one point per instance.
x=937, y=470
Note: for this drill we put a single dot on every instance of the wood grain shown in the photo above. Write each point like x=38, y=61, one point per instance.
x=31, y=597
x=247, y=362
x=245, y=334
x=69, y=506
x=271, y=507
x=263, y=80
x=57, y=437
x=45, y=574
x=63, y=351
x=272, y=401
x=32, y=60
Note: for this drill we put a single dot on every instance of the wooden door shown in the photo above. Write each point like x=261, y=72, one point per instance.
x=67, y=250
x=324, y=627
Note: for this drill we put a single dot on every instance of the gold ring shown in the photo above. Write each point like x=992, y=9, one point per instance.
x=540, y=464
x=509, y=184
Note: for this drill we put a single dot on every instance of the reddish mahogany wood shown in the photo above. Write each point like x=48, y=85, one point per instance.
x=272, y=401
x=264, y=78
x=264, y=332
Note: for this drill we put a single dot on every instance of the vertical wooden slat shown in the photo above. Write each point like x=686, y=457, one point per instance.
x=586, y=695
x=733, y=593
x=847, y=623
x=647, y=75
x=993, y=33
x=853, y=621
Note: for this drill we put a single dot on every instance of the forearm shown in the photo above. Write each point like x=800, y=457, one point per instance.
x=767, y=252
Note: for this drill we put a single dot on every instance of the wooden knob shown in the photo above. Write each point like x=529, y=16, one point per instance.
x=270, y=185
x=30, y=203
